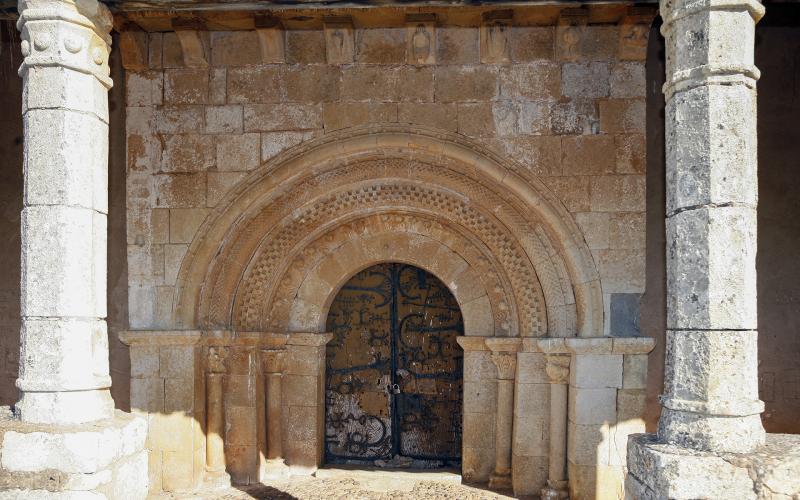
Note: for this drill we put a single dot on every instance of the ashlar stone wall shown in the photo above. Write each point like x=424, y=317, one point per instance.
x=564, y=102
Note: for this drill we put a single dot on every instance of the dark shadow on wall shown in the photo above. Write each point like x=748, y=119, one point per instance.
x=654, y=300
x=777, y=55
x=11, y=190
x=10, y=207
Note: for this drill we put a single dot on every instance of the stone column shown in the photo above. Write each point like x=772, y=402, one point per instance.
x=557, y=369
x=63, y=373
x=504, y=356
x=711, y=388
x=273, y=374
x=215, y=412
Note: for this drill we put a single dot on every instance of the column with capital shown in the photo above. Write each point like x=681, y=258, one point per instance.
x=273, y=361
x=557, y=369
x=215, y=416
x=504, y=356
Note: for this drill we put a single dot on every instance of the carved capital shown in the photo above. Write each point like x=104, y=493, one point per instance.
x=216, y=359
x=506, y=363
x=66, y=34
x=272, y=360
x=557, y=368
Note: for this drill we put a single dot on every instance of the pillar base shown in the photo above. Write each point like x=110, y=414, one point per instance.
x=216, y=480
x=500, y=481
x=555, y=490
x=106, y=458
x=275, y=469
x=657, y=470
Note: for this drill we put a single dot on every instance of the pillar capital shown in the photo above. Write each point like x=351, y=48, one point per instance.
x=273, y=360
x=557, y=368
x=216, y=359
x=67, y=34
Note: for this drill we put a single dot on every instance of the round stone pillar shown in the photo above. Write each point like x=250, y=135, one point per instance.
x=557, y=369
x=63, y=373
x=711, y=387
x=504, y=356
x=273, y=374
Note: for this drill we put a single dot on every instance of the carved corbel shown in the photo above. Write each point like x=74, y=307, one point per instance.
x=495, y=34
x=557, y=368
x=192, y=47
x=421, y=38
x=634, y=30
x=339, y=40
x=271, y=39
x=133, y=47
x=569, y=33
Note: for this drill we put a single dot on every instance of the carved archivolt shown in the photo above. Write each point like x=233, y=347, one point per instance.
x=273, y=255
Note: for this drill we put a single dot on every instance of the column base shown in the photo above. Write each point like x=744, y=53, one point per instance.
x=500, y=481
x=275, y=469
x=106, y=458
x=555, y=490
x=216, y=480
x=657, y=470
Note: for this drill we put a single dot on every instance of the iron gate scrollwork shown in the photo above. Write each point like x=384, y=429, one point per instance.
x=394, y=369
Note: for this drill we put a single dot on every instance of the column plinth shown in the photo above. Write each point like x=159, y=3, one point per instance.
x=504, y=356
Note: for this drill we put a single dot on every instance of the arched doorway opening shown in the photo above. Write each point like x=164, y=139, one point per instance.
x=394, y=371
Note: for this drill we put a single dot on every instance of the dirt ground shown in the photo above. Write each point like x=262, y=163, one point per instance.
x=312, y=488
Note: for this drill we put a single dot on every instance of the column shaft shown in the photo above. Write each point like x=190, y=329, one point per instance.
x=711, y=394
x=64, y=374
x=215, y=424
x=557, y=368
x=273, y=360
x=504, y=356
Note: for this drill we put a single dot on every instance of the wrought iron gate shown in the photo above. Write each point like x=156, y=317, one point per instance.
x=394, y=369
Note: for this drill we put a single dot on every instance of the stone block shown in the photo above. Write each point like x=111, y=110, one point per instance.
x=622, y=116
x=487, y=119
x=179, y=395
x=479, y=397
x=240, y=426
x=593, y=406
x=577, y=116
x=234, y=48
x=224, y=119
x=531, y=368
x=187, y=153
x=634, y=371
x=370, y=83
x=238, y=152
x=240, y=390
x=534, y=117
x=181, y=190
x=144, y=361
x=242, y=463
x=441, y=116
x=711, y=272
x=595, y=371
x=340, y=115
x=630, y=405
x=630, y=153
x=627, y=230
x=595, y=228
x=302, y=423
x=274, y=143
x=218, y=86
x=147, y=394
x=588, y=444
x=468, y=83
x=476, y=464
x=535, y=81
x=619, y=439
x=171, y=432
x=585, y=80
x=144, y=88
x=381, y=46
x=599, y=482
x=313, y=84
x=179, y=119
x=588, y=155
x=538, y=156
x=301, y=390
x=183, y=223
x=173, y=258
x=65, y=161
x=531, y=435
x=478, y=367
x=305, y=46
x=618, y=193
x=672, y=472
x=339, y=40
x=479, y=430
x=266, y=118
x=176, y=470
x=219, y=183
x=624, y=314
x=56, y=87
x=532, y=43
x=573, y=191
x=457, y=45
x=62, y=282
x=711, y=126
x=129, y=477
x=628, y=80
x=141, y=306
x=176, y=362
x=186, y=86
x=417, y=84
x=529, y=475
x=261, y=84
x=304, y=360
x=621, y=270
